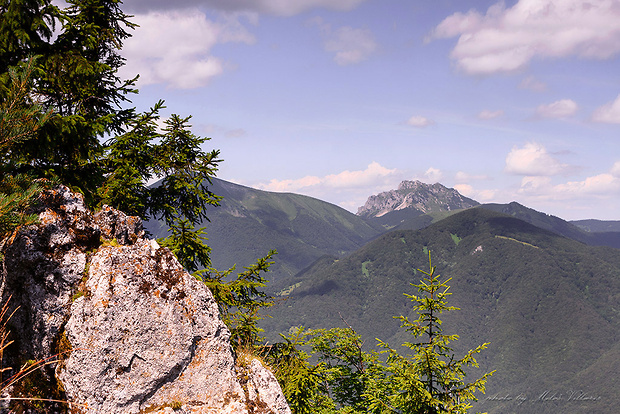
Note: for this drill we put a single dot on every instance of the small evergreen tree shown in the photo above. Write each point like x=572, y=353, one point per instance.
x=429, y=380
x=327, y=371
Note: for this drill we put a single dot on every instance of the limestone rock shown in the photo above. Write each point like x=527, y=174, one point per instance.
x=425, y=198
x=138, y=333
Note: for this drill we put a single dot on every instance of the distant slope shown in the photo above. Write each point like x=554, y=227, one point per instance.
x=599, y=226
x=548, y=305
x=595, y=235
x=250, y=222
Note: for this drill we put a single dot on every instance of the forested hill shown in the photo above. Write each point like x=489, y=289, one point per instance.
x=250, y=222
x=547, y=304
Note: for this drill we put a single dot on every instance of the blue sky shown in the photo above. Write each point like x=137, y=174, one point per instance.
x=339, y=100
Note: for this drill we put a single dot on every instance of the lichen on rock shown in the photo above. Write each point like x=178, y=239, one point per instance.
x=146, y=338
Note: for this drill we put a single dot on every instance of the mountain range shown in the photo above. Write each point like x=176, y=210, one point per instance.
x=543, y=291
x=250, y=222
x=548, y=305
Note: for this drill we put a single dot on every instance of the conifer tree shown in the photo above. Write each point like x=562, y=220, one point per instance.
x=429, y=379
x=75, y=76
x=20, y=118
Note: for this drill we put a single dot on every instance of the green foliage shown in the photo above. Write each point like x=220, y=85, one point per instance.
x=241, y=299
x=20, y=118
x=327, y=370
x=141, y=153
x=303, y=384
x=188, y=245
x=429, y=379
x=74, y=76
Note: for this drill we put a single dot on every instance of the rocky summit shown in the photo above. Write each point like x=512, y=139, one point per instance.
x=120, y=326
x=415, y=195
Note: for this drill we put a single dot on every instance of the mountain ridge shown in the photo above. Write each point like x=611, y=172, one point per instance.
x=548, y=304
x=250, y=222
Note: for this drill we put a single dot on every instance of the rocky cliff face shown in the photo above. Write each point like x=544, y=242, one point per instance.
x=426, y=198
x=131, y=330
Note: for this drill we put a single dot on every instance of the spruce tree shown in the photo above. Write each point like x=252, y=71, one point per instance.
x=75, y=76
x=429, y=379
x=20, y=118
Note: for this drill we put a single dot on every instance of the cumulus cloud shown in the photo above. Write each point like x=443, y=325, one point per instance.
x=601, y=185
x=609, y=113
x=274, y=7
x=598, y=184
x=174, y=48
x=558, y=109
x=373, y=174
x=349, y=45
x=478, y=195
x=433, y=175
x=487, y=114
x=534, y=160
x=507, y=39
x=419, y=121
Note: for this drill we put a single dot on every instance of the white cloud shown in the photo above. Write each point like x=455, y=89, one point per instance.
x=609, y=113
x=375, y=173
x=487, y=114
x=349, y=45
x=465, y=189
x=419, y=121
x=558, y=109
x=603, y=184
x=274, y=7
x=532, y=84
x=507, y=39
x=533, y=160
x=479, y=195
x=174, y=48
x=433, y=175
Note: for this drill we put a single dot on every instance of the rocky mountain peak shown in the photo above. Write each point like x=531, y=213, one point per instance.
x=426, y=198
x=123, y=328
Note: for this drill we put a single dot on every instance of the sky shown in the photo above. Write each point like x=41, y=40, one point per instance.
x=343, y=99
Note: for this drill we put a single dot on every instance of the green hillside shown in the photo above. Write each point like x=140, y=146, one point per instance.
x=592, y=232
x=250, y=222
x=548, y=305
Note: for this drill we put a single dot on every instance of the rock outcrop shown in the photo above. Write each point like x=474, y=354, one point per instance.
x=425, y=198
x=133, y=332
